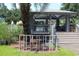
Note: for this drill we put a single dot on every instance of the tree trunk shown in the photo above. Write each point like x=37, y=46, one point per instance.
x=25, y=13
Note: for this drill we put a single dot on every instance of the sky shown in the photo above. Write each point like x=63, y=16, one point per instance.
x=54, y=6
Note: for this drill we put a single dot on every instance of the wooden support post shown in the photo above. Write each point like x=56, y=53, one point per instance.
x=67, y=24
x=57, y=25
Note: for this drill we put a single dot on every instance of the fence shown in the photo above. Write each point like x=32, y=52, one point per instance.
x=38, y=42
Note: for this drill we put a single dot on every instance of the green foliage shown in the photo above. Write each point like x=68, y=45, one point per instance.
x=71, y=7
x=8, y=51
x=9, y=15
x=15, y=31
x=3, y=10
x=13, y=15
x=4, y=31
x=9, y=31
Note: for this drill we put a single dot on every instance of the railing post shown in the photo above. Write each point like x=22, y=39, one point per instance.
x=31, y=41
x=51, y=41
x=19, y=42
x=43, y=42
x=39, y=43
x=26, y=41
x=54, y=42
x=23, y=43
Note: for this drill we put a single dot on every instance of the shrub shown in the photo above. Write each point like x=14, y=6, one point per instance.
x=4, y=31
x=15, y=31
x=9, y=33
x=5, y=34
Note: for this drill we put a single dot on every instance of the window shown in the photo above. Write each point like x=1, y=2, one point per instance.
x=40, y=25
x=40, y=21
x=39, y=28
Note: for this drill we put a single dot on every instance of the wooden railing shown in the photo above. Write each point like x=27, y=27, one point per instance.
x=38, y=42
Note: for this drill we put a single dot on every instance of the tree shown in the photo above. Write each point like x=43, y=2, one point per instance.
x=13, y=15
x=3, y=10
x=10, y=15
x=40, y=6
x=25, y=14
x=14, y=5
x=70, y=7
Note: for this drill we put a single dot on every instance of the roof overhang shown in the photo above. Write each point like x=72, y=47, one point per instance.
x=60, y=12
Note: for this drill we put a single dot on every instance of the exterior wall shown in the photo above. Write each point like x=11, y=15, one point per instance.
x=56, y=17
x=41, y=27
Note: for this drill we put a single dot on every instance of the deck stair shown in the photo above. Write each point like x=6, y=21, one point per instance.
x=68, y=37
x=69, y=40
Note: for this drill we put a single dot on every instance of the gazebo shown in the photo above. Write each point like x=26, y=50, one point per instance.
x=41, y=29
x=46, y=16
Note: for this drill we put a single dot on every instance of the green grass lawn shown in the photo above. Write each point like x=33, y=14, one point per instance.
x=8, y=51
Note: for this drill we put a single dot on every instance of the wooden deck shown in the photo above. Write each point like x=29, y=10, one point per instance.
x=69, y=40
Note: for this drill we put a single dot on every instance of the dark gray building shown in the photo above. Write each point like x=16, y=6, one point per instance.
x=40, y=21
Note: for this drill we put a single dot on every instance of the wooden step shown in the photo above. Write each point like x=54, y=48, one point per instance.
x=68, y=37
